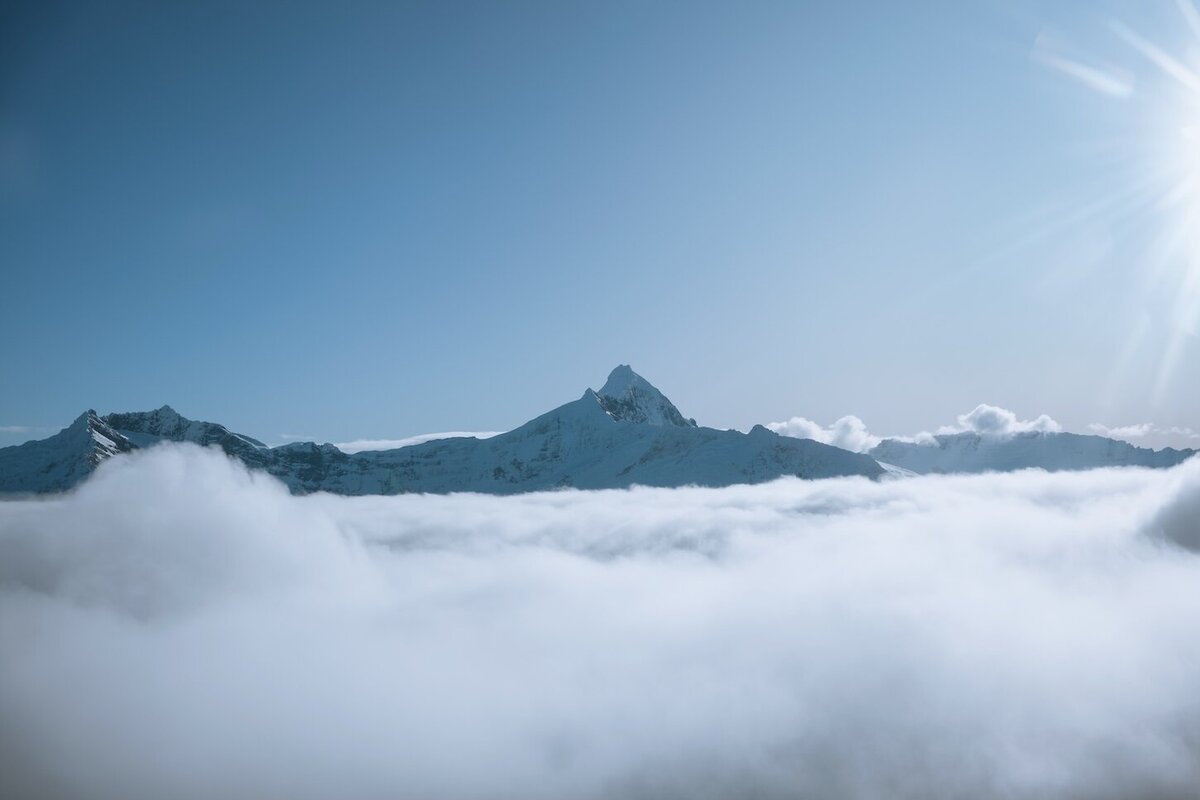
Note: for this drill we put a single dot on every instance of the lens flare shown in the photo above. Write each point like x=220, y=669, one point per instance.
x=1175, y=146
x=1158, y=184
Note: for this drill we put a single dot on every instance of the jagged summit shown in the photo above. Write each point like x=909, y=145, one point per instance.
x=629, y=397
x=620, y=380
x=63, y=460
x=92, y=435
x=163, y=418
x=146, y=427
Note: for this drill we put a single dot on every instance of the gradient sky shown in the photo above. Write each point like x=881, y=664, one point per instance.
x=375, y=220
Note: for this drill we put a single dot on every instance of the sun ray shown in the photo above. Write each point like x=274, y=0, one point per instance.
x=1191, y=15
x=1095, y=78
x=1164, y=60
x=1163, y=156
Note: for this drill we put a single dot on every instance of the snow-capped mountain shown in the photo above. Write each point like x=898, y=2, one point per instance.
x=630, y=397
x=627, y=433
x=975, y=452
x=62, y=460
x=165, y=424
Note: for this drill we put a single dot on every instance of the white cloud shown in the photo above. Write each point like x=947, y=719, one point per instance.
x=179, y=627
x=15, y=434
x=1122, y=431
x=849, y=432
x=359, y=445
x=1143, y=430
x=1178, y=431
x=988, y=420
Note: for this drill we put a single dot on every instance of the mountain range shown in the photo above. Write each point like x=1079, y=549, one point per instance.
x=627, y=433
x=1049, y=450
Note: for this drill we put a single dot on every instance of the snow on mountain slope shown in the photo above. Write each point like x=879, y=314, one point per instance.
x=629, y=397
x=628, y=433
x=62, y=460
x=145, y=428
x=896, y=472
x=975, y=452
x=580, y=445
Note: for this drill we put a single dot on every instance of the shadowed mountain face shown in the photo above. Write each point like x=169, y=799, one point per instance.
x=629, y=397
x=62, y=460
x=627, y=433
x=973, y=452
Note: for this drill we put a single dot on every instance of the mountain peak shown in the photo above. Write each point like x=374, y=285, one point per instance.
x=93, y=436
x=629, y=397
x=620, y=380
x=84, y=420
x=165, y=422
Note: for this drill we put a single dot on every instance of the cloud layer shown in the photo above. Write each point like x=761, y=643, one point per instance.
x=180, y=627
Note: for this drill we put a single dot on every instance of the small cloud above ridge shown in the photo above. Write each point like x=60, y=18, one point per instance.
x=1144, y=430
x=851, y=433
x=361, y=445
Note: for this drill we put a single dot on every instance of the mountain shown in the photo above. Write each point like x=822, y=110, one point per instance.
x=62, y=460
x=974, y=452
x=165, y=424
x=629, y=397
x=626, y=434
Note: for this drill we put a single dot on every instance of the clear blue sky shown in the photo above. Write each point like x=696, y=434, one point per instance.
x=347, y=220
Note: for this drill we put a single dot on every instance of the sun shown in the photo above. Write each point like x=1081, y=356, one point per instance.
x=1165, y=176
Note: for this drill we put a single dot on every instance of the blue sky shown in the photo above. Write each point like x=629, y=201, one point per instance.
x=376, y=220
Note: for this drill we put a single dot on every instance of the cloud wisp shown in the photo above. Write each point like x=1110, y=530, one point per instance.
x=26, y=428
x=181, y=627
x=1144, y=430
x=359, y=445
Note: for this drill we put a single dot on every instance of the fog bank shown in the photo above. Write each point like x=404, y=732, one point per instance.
x=179, y=627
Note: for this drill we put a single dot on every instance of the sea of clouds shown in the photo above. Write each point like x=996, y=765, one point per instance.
x=179, y=627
